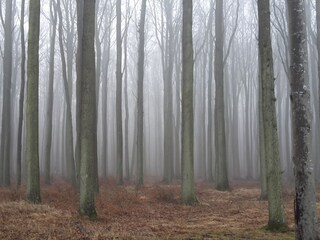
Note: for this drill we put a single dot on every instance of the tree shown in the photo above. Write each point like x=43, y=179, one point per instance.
x=305, y=199
x=188, y=191
x=6, y=109
x=210, y=80
x=21, y=99
x=318, y=52
x=67, y=95
x=269, y=120
x=140, y=95
x=167, y=64
x=32, y=122
x=119, y=98
x=87, y=99
x=48, y=141
x=220, y=137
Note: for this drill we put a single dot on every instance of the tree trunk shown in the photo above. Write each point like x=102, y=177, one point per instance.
x=6, y=107
x=79, y=85
x=188, y=190
x=305, y=197
x=271, y=142
x=119, y=175
x=21, y=99
x=317, y=164
x=32, y=122
x=140, y=104
x=220, y=139
x=68, y=134
x=210, y=113
x=48, y=129
x=88, y=134
x=168, y=94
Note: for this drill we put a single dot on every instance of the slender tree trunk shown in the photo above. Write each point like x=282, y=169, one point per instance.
x=140, y=116
x=6, y=107
x=68, y=134
x=188, y=190
x=32, y=123
x=168, y=94
x=220, y=140
x=88, y=122
x=119, y=98
x=48, y=129
x=21, y=99
x=210, y=113
x=305, y=197
x=126, y=103
x=178, y=117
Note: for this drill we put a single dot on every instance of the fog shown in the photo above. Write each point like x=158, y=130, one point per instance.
x=162, y=87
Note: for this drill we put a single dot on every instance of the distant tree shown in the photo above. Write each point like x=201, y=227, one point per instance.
x=140, y=95
x=67, y=95
x=220, y=136
x=188, y=190
x=167, y=65
x=210, y=81
x=119, y=175
x=305, y=209
x=6, y=109
x=269, y=120
x=87, y=99
x=32, y=122
x=48, y=129
x=21, y=96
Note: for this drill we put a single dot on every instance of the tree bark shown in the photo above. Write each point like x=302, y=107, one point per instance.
x=188, y=190
x=88, y=134
x=305, y=197
x=271, y=142
x=220, y=140
x=6, y=107
x=32, y=121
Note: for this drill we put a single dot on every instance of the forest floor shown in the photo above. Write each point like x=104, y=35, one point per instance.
x=151, y=212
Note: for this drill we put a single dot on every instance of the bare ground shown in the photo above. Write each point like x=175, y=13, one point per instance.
x=151, y=212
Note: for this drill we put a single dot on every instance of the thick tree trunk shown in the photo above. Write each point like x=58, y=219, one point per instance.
x=271, y=142
x=32, y=121
x=220, y=139
x=317, y=163
x=88, y=134
x=188, y=190
x=79, y=64
x=305, y=197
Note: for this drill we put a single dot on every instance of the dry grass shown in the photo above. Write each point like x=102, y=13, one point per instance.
x=152, y=212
